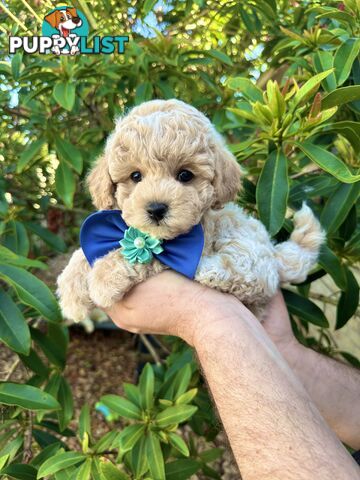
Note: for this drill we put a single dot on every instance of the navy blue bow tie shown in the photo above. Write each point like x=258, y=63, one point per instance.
x=103, y=231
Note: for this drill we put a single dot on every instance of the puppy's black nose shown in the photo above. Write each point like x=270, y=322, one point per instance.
x=76, y=19
x=156, y=210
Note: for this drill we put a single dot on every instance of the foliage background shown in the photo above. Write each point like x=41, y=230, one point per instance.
x=281, y=80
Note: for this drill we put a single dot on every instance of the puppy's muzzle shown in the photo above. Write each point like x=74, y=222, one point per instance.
x=76, y=20
x=157, y=211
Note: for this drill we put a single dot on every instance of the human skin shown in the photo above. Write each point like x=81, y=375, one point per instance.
x=275, y=430
x=333, y=386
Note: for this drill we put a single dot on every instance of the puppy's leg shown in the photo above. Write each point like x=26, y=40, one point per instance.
x=72, y=288
x=239, y=258
x=112, y=276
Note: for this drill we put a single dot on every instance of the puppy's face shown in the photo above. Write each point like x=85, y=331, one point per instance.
x=164, y=166
x=64, y=20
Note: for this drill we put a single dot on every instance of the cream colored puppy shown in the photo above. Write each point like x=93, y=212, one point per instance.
x=165, y=152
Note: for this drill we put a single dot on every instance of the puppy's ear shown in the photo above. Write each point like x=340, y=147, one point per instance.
x=72, y=11
x=227, y=178
x=100, y=185
x=52, y=19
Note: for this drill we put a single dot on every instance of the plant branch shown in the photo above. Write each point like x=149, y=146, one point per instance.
x=151, y=349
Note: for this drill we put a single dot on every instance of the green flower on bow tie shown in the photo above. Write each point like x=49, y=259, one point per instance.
x=138, y=246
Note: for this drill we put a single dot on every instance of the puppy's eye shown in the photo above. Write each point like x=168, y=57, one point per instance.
x=185, y=176
x=136, y=177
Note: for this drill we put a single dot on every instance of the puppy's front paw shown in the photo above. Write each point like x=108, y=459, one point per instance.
x=102, y=295
x=74, y=311
x=74, y=50
x=105, y=288
x=211, y=272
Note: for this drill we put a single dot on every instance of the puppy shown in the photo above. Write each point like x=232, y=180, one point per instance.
x=166, y=155
x=64, y=21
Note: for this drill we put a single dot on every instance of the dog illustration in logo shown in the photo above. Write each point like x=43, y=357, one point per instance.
x=64, y=20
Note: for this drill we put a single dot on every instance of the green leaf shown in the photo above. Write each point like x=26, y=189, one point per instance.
x=332, y=265
x=3, y=460
x=341, y=96
x=339, y=205
x=16, y=238
x=310, y=86
x=349, y=300
x=11, y=448
x=30, y=151
x=211, y=455
x=343, y=17
x=272, y=191
x=84, y=472
x=344, y=59
x=133, y=393
x=105, y=442
x=20, y=471
x=218, y=55
x=328, y=162
x=351, y=359
x=130, y=436
x=5, y=68
x=65, y=399
x=138, y=458
x=146, y=386
x=123, y=407
x=16, y=62
x=64, y=94
x=95, y=470
x=187, y=397
x=9, y=257
x=155, y=457
x=143, y=92
x=312, y=186
x=182, y=380
x=84, y=422
x=44, y=439
x=34, y=362
x=50, y=348
x=178, y=443
x=181, y=469
x=147, y=6
x=243, y=113
x=68, y=153
x=304, y=308
x=14, y=331
x=323, y=60
x=65, y=183
x=110, y=472
x=348, y=129
x=54, y=241
x=47, y=452
x=60, y=462
x=26, y=396
x=174, y=415
x=31, y=291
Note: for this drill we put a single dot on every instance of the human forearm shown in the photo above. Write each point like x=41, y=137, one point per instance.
x=333, y=386
x=274, y=429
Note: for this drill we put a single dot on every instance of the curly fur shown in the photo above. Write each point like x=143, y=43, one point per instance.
x=159, y=138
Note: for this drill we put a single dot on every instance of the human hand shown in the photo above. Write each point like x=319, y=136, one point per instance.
x=171, y=304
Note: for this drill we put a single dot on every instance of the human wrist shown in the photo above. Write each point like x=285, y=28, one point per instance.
x=216, y=319
x=201, y=308
x=293, y=352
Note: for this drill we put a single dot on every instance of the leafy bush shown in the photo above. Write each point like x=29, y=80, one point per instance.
x=282, y=81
